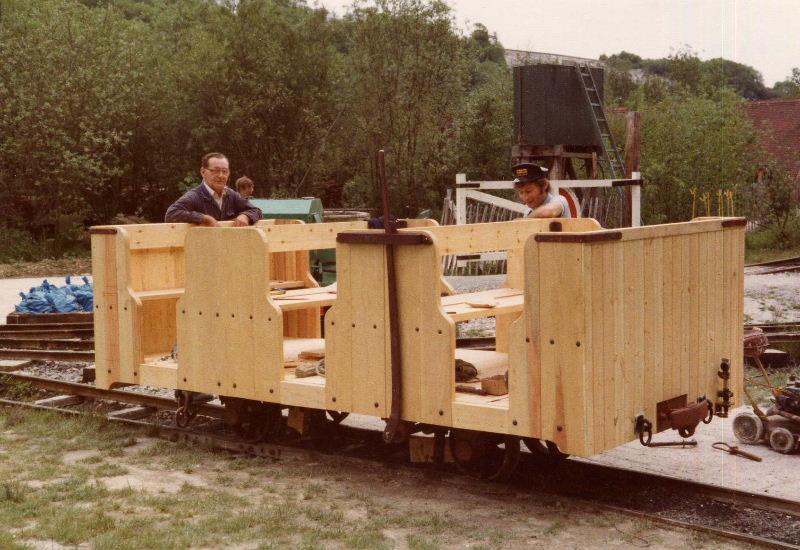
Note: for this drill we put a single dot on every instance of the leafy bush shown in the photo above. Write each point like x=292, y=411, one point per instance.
x=17, y=245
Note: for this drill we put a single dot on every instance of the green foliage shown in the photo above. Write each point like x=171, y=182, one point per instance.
x=693, y=147
x=683, y=70
x=18, y=245
x=789, y=87
x=106, y=106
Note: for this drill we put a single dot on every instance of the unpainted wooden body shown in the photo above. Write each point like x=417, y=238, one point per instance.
x=594, y=327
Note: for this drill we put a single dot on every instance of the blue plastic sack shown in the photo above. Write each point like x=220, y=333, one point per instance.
x=49, y=298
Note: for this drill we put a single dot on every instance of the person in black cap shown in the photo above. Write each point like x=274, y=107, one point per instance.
x=533, y=189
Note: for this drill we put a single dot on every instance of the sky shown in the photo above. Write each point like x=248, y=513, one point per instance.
x=764, y=34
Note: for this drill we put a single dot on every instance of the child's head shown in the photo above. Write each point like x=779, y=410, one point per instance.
x=245, y=187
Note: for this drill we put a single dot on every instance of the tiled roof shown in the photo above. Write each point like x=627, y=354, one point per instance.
x=778, y=122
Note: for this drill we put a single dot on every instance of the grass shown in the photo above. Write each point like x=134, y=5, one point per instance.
x=231, y=500
x=47, y=268
x=777, y=376
x=768, y=244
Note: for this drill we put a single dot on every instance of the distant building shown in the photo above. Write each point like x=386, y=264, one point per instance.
x=778, y=125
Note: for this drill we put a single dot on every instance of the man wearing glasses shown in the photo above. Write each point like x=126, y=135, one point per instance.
x=212, y=200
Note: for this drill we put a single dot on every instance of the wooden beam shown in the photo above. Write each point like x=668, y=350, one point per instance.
x=632, y=147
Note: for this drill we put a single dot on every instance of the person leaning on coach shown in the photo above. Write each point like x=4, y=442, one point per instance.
x=212, y=200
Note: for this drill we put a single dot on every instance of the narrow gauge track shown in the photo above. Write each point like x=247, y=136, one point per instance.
x=753, y=518
x=785, y=265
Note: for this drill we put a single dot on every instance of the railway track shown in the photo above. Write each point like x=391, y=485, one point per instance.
x=785, y=265
x=718, y=511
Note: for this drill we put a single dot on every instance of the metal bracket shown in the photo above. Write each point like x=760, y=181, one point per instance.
x=187, y=410
x=724, y=373
x=644, y=429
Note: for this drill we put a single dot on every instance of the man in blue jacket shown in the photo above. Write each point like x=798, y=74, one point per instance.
x=212, y=200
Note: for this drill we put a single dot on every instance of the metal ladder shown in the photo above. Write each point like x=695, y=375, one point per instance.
x=611, y=159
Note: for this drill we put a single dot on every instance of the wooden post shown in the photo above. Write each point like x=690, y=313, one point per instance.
x=632, y=143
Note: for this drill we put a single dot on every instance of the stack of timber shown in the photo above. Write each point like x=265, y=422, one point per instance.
x=46, y=337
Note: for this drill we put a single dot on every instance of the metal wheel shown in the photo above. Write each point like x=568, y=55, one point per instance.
x=484, y=456
x=544, y=450
x=783, y=441
x=254, y=421
x=748, y=428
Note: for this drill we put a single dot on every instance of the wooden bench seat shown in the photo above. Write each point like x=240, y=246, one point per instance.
x=506, y=300
x=305, y=298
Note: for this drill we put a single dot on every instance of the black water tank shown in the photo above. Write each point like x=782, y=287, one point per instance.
x=550, y=107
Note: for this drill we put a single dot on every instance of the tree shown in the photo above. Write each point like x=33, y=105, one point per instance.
x=406, y=75
x=743, y=79
x=697, y=145
x=789, y=87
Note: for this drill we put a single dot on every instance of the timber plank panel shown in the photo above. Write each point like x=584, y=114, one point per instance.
x=599, y=284
x=217, y=353
x=678, y=318
x=587, y=344
x=686, y=336
x=313, y=236
x=610, y=348
x=630, y=329
x=618, y=269
x=636, y=263
x=699, y=242
x=484, y=237
x=436, y=335
x=563, y=381
x=338, y=367
x=370, y=364
x=652, y=264
x=106, y=309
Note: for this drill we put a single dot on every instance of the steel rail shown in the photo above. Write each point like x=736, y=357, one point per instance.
x=185, y=435
x=85, y=390
x=47, y=355
x=783, y=261
x=278, y=451
x=722, y=533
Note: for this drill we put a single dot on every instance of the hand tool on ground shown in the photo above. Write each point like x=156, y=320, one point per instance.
x=734, y=450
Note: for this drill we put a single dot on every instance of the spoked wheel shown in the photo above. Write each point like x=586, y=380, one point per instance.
x=544, y=450
x=337, y=416
x=484, y=456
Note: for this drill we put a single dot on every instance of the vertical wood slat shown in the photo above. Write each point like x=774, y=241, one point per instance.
x=598, y=278
x=610, y=366
x=339, y=371
x=618, y=316
x=106, y=309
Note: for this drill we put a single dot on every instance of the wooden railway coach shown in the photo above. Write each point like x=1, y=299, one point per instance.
x=604, y=334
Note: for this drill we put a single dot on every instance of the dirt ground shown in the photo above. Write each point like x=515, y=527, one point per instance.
x=64, y=484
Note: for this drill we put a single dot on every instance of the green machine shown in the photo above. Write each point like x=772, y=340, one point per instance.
x=309, y=210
